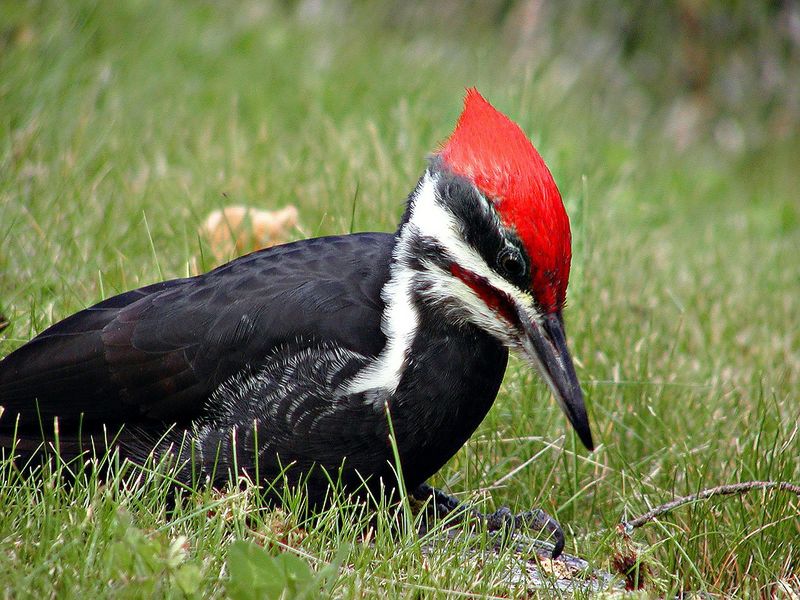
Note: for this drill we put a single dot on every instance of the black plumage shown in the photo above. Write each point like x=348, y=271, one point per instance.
x=262, y=345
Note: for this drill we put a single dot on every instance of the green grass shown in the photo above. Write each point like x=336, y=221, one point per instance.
x=121, y=127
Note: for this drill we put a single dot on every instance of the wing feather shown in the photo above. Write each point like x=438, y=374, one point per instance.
x=160, y=351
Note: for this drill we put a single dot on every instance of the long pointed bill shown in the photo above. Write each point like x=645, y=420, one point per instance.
x=547, y=345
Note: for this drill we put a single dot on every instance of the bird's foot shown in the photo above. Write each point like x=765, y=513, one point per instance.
x=506, y=522
x=439, y=505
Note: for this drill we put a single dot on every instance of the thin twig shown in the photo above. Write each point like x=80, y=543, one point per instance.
x=721, y=490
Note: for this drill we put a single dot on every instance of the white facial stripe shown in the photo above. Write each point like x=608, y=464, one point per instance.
x=430, y=219
x=436, y=222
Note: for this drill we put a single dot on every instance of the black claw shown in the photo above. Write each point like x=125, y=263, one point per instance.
x=558, y=540
x=532, y=520
x=541, y=521
x=501, y=520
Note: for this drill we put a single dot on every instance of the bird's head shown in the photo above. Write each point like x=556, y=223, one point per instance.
x=492, y=241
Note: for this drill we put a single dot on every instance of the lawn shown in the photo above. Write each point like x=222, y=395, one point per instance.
x=122, y=125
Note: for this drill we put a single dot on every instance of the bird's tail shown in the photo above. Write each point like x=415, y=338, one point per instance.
x=173, y=455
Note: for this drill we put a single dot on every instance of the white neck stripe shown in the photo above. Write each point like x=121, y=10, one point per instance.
x=400, y=321
x=400, y=317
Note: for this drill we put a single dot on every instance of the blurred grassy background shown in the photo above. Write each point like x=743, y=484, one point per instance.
x=672, y=129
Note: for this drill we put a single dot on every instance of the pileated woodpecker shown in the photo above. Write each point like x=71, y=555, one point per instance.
x=294, y=358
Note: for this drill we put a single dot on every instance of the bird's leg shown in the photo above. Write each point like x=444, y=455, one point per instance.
x=440, y=504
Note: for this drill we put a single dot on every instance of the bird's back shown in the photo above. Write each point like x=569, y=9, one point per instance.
x=156, y=354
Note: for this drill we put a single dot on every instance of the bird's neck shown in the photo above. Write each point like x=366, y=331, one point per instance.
x=438, y=372
x=404, y=295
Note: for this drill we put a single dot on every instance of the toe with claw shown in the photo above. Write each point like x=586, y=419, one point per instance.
x=440, y=504
x=532, y=520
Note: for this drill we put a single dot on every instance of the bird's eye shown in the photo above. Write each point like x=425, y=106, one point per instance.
x=511, y=263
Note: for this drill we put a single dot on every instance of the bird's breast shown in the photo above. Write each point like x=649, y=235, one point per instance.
x=449, y=386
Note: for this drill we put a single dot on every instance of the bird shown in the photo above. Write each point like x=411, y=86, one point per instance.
x=328, y=355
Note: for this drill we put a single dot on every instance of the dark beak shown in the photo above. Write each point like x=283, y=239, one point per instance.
x=546, y=341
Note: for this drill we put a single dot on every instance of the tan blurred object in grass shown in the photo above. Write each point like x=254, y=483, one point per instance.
x=236, y=230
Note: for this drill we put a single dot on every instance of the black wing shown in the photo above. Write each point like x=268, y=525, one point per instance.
x=157, y=353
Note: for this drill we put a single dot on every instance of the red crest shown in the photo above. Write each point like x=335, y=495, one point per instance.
x=495, y=154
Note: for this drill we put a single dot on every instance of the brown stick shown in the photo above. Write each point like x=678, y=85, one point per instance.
x=722, y=490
